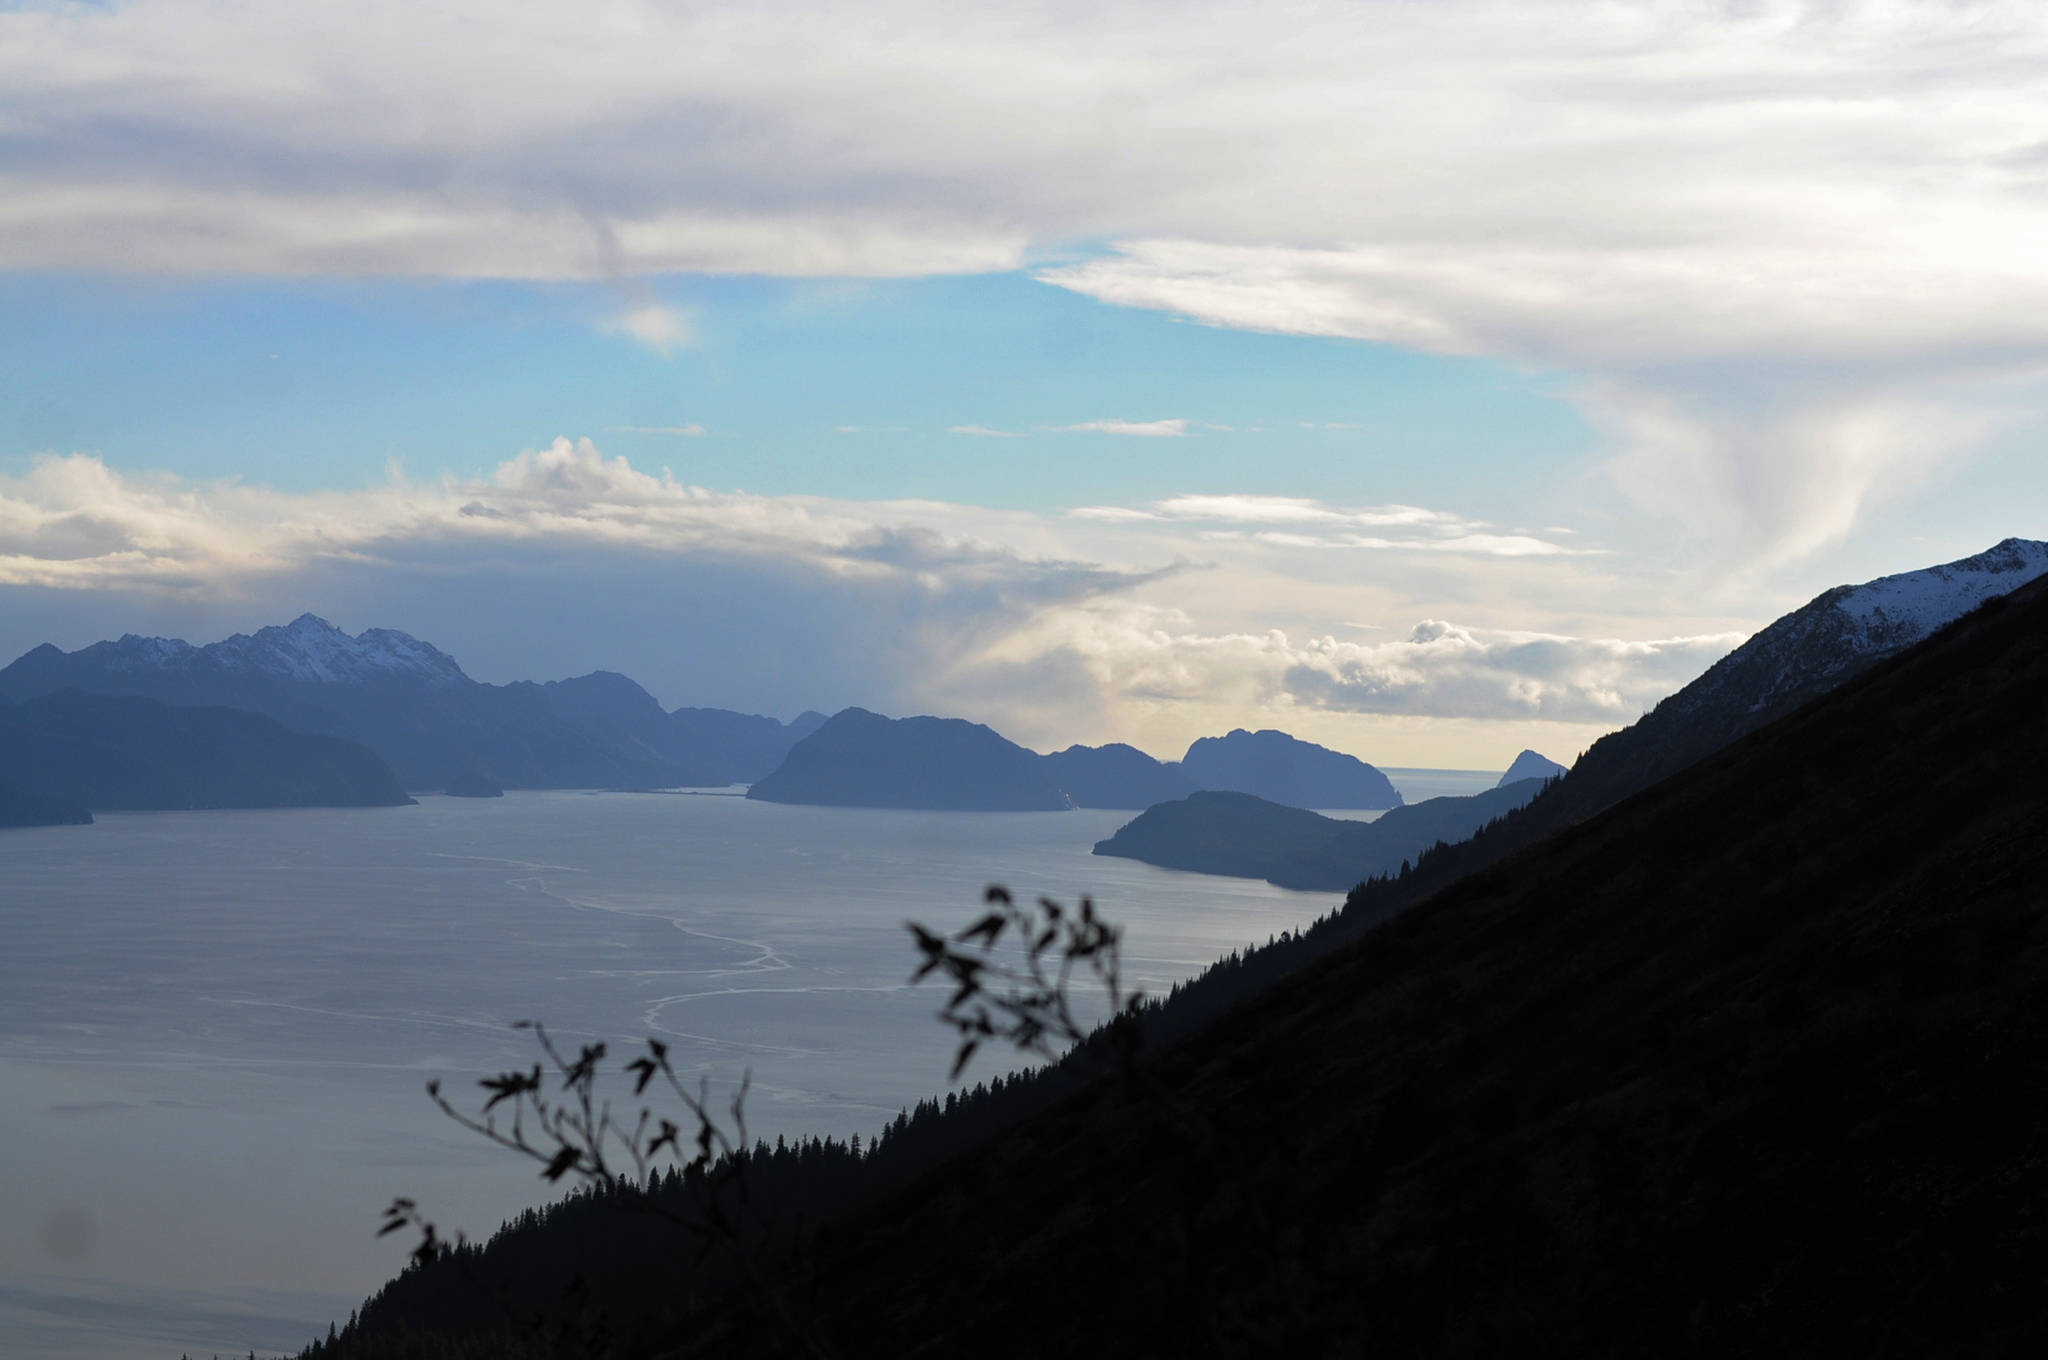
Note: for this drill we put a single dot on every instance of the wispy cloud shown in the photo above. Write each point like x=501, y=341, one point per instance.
x=984, y=432
x=1300, y=522
x=1143, y=429
x=691, y=431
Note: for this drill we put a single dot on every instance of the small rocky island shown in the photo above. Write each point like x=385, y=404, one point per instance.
x=1244, y=836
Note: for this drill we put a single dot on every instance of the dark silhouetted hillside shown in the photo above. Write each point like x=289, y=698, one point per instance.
x=1287, y=770
x=1247, y=837
x=127, y=754
x=1753, y=1063
x=861, y=759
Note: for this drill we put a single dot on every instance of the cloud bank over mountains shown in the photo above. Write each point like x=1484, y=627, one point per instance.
x=1055, y=628
x=1770, y=241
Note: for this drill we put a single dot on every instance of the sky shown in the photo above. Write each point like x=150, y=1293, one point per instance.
x=1432, y=381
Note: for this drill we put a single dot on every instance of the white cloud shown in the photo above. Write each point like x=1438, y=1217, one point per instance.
x=661, y=329
x=984, y=432
x=1443, y=668
x=1439, y=669
x=1143, y=429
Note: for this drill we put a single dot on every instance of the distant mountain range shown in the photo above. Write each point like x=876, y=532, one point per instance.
x=1244, y=836
x=415, y=707
x=74, y=751
x=861, y=759
x=412, y=704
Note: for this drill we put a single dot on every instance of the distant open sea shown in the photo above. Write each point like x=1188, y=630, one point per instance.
x=215, y=1028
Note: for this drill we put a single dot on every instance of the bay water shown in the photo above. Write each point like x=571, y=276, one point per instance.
x=216, y=1027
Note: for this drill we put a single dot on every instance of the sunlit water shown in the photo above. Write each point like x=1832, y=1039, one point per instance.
x=215, y=1028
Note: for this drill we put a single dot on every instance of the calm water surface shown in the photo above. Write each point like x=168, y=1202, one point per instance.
x=215, y=1027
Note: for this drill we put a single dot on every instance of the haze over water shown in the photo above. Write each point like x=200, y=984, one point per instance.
x=215, y=1028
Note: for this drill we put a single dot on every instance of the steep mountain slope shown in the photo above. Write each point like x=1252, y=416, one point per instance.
x=1838, y=634
x=1247, y=837
x=861, y=759
x=127, y=754
x=413, y=705
x=1755, y=1062
x=1284, y=769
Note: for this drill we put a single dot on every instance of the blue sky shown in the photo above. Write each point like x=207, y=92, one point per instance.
x=842, y=389
x=1432, y=381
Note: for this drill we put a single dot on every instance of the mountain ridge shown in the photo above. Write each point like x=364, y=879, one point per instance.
x=414, y=705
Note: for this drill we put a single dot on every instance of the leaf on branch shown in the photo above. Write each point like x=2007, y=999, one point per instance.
x=509, y=1085
x=643, y=1070
x=560, y=1164
x=988, y=929
x=584, y=1068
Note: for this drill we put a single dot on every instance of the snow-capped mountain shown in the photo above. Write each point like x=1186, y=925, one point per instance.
x=308, y=649
x=1850, y=628
x=1831, y=639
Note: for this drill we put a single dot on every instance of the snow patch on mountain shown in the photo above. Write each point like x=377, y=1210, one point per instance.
x=308, y=649
x=140, y=655
x=1851, y=628
x=1914, y=604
